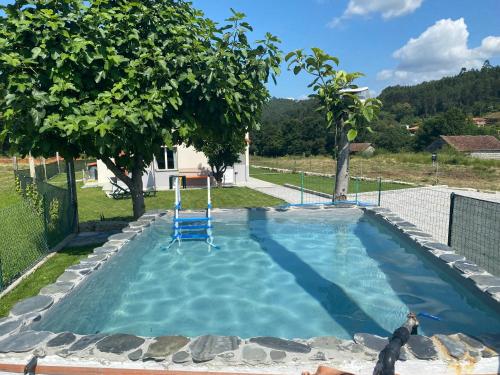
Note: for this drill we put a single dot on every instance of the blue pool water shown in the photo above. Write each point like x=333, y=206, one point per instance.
x=295, y=274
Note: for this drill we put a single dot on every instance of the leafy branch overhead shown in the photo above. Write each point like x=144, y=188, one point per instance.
x=335, y=90
x=120, y=79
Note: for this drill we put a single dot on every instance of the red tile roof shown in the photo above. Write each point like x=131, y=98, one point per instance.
x=359, y=147
x=471, y=143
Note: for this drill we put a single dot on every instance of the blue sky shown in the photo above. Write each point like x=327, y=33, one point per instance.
x=391, y=41
x=365, y=35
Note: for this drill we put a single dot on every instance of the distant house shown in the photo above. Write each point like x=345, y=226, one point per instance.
x=478, y=146
x=365, y=149
x=413, y=129
x=479, y=121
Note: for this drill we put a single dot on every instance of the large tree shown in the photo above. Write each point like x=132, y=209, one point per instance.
x=120, y=79
x=240, y=73
x=336, y=93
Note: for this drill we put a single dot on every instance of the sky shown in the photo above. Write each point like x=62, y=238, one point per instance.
x=390, y=41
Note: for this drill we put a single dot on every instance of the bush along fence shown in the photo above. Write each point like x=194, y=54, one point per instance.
x=474, y=231
x=31, y=228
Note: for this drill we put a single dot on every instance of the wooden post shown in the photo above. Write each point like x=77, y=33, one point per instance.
x=58, y=163
x=44, y=169
x=32, y=167
x=14, y=163
x=70, y=176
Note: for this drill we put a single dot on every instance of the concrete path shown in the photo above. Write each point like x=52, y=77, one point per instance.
x=288, y=195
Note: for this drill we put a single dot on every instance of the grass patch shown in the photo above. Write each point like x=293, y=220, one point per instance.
x=319, y=183
x=455, y=169
x=94, y=204
x=45, y=275
x=8, y=195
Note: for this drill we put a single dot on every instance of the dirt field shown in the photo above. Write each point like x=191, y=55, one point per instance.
x=453, y=170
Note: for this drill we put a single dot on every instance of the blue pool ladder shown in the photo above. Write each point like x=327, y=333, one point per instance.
x=192, y=228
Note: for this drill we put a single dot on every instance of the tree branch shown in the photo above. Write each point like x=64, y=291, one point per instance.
x=118, y=172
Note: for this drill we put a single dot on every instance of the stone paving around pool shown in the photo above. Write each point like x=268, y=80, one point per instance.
x=436, y=354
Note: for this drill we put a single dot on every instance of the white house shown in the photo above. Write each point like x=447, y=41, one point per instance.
x=179, y=161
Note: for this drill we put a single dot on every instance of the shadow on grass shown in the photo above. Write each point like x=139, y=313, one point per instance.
x=46, y=274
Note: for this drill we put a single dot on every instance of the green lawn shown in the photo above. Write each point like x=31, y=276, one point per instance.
x=8, y=195
x=45, y=275
x=319, y=183
x=93, y=202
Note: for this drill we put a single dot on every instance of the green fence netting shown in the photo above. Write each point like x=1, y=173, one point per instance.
x=475, y=231
x=29, y=229
x=24, y=241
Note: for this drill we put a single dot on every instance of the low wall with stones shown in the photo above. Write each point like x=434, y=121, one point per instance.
x=19, y=342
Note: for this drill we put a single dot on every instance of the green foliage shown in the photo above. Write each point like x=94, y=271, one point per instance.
x=121, y=79
x=333, y=90
x=222, y=153
x=474, y=91
x=292, y=127
x=31, y=195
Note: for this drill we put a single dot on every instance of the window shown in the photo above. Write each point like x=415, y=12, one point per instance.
x=166, y=159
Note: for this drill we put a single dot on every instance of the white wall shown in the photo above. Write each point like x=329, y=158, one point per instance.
x=189, y=162
x=103, y=175
x=188, y=159
x=486, y=155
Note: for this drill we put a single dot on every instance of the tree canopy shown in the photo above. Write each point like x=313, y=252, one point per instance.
x=118, y=80
x=338, y=97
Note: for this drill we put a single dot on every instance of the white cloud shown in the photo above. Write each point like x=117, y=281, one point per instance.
x=439, y=51
x=387, y=8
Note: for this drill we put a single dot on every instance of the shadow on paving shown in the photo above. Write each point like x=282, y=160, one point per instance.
x=331, y=297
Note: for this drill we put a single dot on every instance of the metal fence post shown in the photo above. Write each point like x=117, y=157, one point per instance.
x=450, y=219
x=379, y=190
x=45, y=218
x=301, y=187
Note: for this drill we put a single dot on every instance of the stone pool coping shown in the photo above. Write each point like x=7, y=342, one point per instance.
x=18, y=342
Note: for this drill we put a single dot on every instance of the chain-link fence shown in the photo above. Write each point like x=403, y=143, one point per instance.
x=24, y=241
x=301, y=187
x=475, y=231
x=29, y=229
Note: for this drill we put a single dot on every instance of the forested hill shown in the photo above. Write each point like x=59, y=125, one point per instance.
x=443, y=107
x=475, y=92
x=291, y=127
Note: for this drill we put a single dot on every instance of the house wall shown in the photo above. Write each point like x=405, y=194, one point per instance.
x=189, y=162
x=369, y=151
x=495, y=155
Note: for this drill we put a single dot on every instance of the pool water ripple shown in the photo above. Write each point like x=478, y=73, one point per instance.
x=296, y=274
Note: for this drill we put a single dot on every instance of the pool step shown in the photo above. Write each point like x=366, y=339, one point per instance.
x=194, y=227
x=190, y=219
x=192, y=236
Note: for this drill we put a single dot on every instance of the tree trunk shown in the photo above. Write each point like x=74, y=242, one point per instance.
x=218, y=174
x=342, y=173
x=134, y=183
x=137, y=191
x=71, y=180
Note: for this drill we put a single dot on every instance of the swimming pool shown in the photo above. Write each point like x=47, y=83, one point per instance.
x=294, y=274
